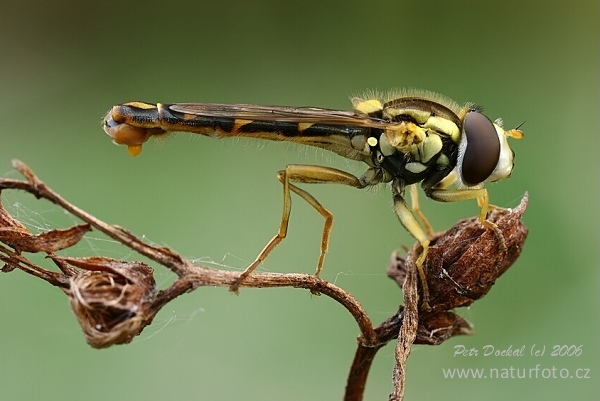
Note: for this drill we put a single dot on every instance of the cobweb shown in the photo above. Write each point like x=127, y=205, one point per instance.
x=40, y=216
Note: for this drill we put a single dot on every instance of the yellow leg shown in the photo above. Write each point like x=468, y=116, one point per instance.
x=490, y=207
x=483, y=200
x=412, y=226
x=302, y=174
x=414, y=200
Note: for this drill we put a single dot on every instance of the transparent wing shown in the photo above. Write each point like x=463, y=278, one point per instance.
x=309, y=115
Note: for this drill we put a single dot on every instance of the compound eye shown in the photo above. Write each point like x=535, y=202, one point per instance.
x=482, y=150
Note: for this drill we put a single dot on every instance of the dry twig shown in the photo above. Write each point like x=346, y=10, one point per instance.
x=115, y=300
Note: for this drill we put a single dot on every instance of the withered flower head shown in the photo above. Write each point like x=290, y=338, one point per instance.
x=110, y=298
x=461, y=266
x=465, y=261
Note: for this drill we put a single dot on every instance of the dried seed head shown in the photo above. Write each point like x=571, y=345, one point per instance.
x=110, y=299
x=464, y=262
x=461, y=266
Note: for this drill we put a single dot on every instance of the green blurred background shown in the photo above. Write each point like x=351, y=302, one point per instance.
x=64, y=63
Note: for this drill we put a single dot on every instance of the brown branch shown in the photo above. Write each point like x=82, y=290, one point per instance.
x=115, y=300
x=190, y=276
x=462, y=265
x=408, y=331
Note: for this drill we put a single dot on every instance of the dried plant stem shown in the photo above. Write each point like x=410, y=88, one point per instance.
x=190, y=276
x=407, y=334
x=114, y=300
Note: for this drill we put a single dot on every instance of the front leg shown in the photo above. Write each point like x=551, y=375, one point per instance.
x=483, y=200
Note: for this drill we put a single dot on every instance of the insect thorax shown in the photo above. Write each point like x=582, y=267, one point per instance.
x=420, y=141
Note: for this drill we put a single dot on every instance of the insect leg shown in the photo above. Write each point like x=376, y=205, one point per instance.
x=414, y=200
x=483, y=200
x=411, y=224
x=302, y=174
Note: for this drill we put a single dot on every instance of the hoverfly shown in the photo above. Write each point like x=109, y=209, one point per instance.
x=405, y=138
